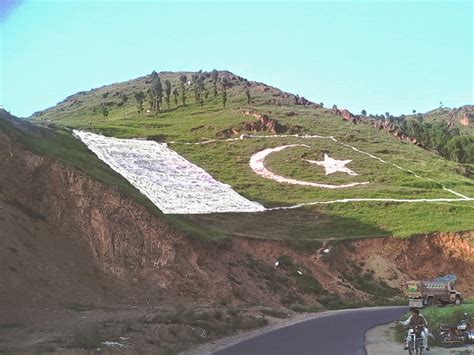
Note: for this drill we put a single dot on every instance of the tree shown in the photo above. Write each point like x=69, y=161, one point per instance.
x=167, y=92
x=105, y=111
x=224, y=98
x=247, y=93
x=175, y=95
x=183, y=79
x=156, y=94
x=123, y=100
x=334, y=107
x=321, y=105
x=153, y=75
x=201, y=88
x=214, y=77
x=387, y=114
x=363, y=113
x=194, y=81
x=151, y=99
x=139, y=97
x=414, y=111
x=183, y=97
x=225, y=83
x=206, y=94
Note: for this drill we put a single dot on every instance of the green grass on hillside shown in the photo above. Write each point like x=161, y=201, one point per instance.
x=228, y=162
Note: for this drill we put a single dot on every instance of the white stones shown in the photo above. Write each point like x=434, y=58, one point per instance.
x=257, y=164
x=332, y=165
x=172, y=183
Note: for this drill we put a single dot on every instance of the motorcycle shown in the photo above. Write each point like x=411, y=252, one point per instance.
x=459, y=334
x=415, y=340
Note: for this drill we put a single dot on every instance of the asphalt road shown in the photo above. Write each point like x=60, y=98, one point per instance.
x=337, y=334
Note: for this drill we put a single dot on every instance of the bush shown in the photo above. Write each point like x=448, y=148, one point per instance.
x=273, y=312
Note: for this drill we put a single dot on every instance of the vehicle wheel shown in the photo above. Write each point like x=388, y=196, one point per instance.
x=458, y=301
x=411, y=347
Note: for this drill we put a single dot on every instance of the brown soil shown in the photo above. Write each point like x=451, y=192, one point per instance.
x=71, y=247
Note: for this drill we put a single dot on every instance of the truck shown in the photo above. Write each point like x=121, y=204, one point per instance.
x=427, y=293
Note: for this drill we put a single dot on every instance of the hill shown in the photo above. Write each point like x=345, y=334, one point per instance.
x=282, y=113
x=85, y=258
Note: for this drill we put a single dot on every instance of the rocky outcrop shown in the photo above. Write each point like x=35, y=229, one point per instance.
x=263, y=124
x=390, y=127
x=465, y=115
x=346, y=115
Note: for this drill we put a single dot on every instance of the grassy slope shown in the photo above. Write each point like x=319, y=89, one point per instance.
x=228, y=162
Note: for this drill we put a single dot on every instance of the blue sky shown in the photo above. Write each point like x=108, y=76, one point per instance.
x=380, y=56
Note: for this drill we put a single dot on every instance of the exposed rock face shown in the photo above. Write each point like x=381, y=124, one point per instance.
x=346, y=115
x=393, y=130
x=263, y=124
x=419, y=258
x=465, y=115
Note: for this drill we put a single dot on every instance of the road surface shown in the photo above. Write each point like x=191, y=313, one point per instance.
x=337, y=334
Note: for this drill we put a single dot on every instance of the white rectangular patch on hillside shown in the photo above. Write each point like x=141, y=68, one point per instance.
x=173, y=184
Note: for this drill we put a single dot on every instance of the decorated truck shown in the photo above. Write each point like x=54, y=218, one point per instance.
x=427, y=293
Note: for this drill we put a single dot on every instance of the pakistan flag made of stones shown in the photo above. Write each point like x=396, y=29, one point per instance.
x=260, y=173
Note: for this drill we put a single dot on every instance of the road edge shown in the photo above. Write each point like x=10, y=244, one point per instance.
x=219, y=344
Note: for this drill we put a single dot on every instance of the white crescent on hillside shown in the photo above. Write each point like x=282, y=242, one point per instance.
x=257, y=163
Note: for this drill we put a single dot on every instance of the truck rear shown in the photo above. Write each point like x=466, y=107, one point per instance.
x=421, y=293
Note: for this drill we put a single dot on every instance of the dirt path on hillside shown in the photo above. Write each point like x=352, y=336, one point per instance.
x=379, y=340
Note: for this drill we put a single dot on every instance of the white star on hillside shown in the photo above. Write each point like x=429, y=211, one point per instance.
x=333, y=165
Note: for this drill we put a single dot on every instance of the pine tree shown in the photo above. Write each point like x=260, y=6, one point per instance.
x=224, y=98
x=183, y=79
x=139, y=97
x=247, y=93
x=156, y=94
x=214, y=76
x=167, y=92
x=123, y=100
x=175, y=95
x=105, y=111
